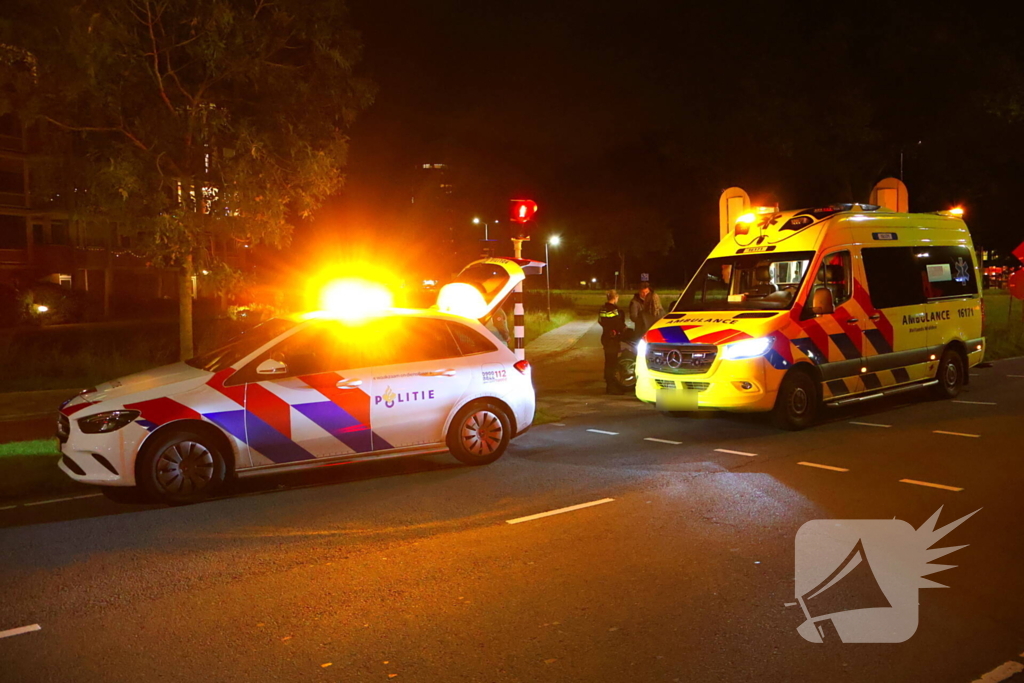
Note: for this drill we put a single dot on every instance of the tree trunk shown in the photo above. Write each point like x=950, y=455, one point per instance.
x=622, y=269
x=185, y=309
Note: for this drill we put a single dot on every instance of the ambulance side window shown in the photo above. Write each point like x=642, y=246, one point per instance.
x=894, y=276
x=948, y=272
x=835, y=275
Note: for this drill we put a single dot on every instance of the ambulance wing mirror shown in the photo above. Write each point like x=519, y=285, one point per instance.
x=272, y=367
x=483, y=285
x=822, y=303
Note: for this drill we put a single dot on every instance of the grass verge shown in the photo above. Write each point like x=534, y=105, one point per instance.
x=29, y=468
x=1004, y=325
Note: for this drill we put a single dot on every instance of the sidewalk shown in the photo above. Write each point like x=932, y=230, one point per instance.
x=568, y=373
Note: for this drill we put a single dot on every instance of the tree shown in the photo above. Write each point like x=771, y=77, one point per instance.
x=200, y=121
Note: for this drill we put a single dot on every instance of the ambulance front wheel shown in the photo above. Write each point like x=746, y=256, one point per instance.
x=950, y=375
x=480, y=433
x=796, y=406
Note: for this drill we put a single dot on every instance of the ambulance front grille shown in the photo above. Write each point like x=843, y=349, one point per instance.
x=681, y=359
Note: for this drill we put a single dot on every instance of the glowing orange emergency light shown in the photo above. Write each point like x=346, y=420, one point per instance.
x=354, y=298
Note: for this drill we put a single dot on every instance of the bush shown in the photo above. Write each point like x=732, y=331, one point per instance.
x=46, y=303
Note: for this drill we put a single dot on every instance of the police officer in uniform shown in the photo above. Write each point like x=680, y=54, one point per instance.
x=613, y=326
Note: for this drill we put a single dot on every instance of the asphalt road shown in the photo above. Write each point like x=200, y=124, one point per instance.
x=410, y=569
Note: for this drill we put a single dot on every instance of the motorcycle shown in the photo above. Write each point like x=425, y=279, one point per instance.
x=625, y=370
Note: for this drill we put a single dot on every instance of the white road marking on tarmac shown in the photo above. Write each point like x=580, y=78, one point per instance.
x=601, y=431
x=18, y=631
x=673, y=443
x=9, y=507
x=870, y=424
x=559, y=511
x=976, y=403
x=557, y=424
x=1001, y=673
x=723, y=450
x=824, y=467
x=61, y=500
x=934, y=486
x=970, y=436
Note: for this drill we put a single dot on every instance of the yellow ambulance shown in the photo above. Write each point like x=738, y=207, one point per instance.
x=830, y=305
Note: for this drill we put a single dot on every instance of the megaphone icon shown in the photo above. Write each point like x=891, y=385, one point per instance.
x=851, y=586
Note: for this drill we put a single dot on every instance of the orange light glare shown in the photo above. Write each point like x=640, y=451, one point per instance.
x=462, y=299
x=957, y=211
x=746, y=218
x=352, y=298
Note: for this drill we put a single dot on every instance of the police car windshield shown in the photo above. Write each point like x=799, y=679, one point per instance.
x=747, y=282
x=241, y=346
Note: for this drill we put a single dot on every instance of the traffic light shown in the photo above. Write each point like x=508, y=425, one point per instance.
x=522, y=212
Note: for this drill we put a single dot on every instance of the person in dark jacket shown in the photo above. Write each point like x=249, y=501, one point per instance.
x=613, y=326
x=645, y=309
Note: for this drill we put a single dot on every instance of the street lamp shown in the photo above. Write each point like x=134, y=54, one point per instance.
x=554, y=241
x=477, y=221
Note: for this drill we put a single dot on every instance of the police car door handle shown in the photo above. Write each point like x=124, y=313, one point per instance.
x=438, y=373
x=349, y=383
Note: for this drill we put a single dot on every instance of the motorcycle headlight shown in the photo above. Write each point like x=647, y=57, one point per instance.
x=101, y=423
x=748, y=348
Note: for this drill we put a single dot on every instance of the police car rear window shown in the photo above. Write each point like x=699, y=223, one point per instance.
x=470, y=341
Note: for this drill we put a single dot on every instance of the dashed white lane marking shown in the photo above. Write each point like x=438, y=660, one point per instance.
x=723, y=450
x=870, y=424
x=61, y=500
x=601, y=431
x=928, y=483
x=8, y=507
x=18, y=631
x=673, y=443
x=969, y=436
x=559, y=511
x=1001, y=673
x=557, y=424
x=976, y=403
x=824, y=467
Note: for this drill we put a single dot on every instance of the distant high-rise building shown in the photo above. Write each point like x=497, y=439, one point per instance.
x=433, y=210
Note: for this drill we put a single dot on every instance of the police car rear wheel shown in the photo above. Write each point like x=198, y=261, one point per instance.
x=479, y=434
x=950, y=375
x=796, y=406
x=181, y=468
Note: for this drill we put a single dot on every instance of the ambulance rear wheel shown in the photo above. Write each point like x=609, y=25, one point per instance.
x=796, y=406
x=950, y=375
x=480, y=433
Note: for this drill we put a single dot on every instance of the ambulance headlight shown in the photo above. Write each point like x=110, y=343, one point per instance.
x=641, y=349
x=748, y=348
x=101, y=423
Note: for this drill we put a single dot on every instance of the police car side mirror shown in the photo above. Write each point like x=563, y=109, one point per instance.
x=822, y=303
x=271, y=367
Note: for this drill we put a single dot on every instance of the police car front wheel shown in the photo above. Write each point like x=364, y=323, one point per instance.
x=180, y=467
x=480, y=433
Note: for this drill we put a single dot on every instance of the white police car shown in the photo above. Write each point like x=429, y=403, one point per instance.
x=308, y=391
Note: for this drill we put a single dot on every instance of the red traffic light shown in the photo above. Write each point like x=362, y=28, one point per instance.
x=523, y=210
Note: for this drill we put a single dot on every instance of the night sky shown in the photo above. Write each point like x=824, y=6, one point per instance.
x=626, y=120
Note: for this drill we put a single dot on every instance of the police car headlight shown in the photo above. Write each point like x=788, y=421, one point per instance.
x=101, y=423
x=748, y=348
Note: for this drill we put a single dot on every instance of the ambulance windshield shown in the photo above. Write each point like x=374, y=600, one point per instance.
x=747, y=282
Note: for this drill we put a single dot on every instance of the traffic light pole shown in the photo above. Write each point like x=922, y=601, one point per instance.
x=519, y=322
